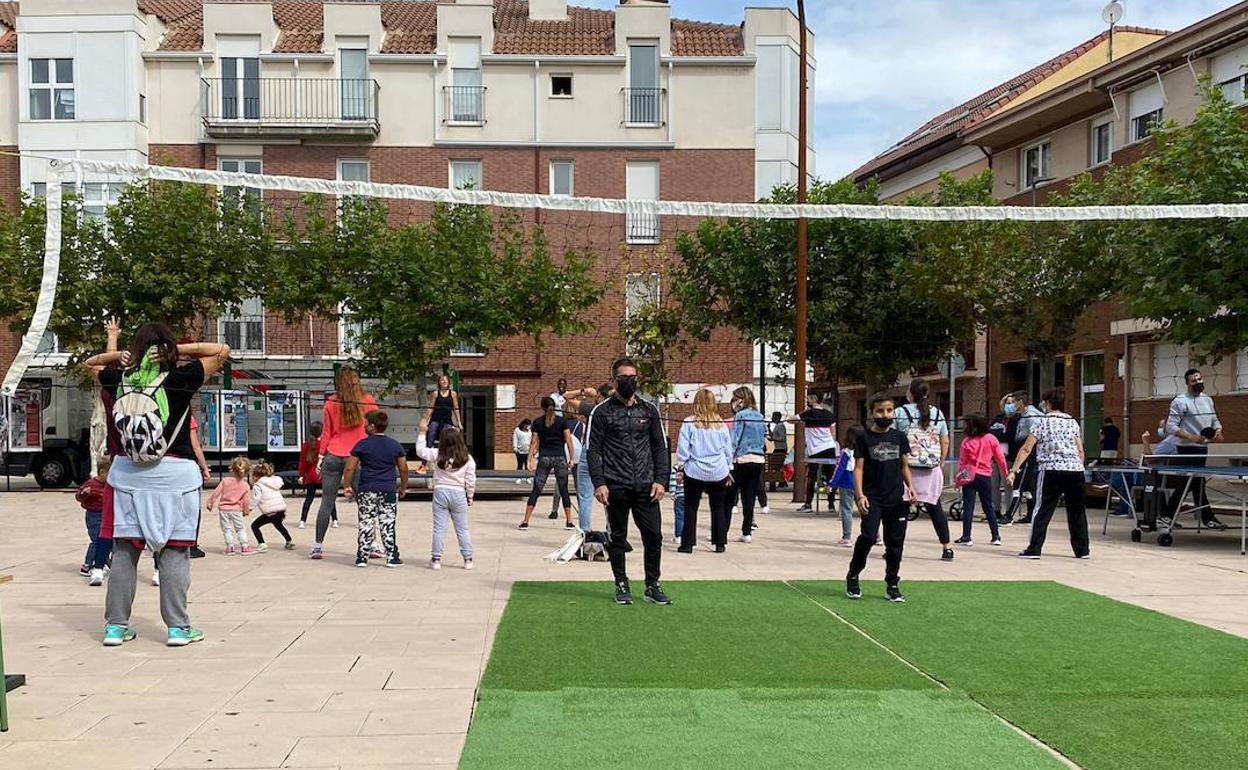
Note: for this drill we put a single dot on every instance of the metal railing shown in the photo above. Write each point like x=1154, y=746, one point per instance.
x=291, y=102
x=243, y=333
x=644, y=106
x=464, y=104
x=642, y=227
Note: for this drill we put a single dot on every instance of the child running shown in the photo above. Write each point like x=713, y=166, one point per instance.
x=91, y=497
x=266, y=497
x=454, y=484
x=843, y=481
x=378, y=457
x=232, y=499
x=882, y=482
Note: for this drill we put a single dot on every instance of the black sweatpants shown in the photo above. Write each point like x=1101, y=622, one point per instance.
x=749, y=478
x=1055, y=486
x=893, y=516
x=621, y=501
x=814, y=471
x=717, y=493
x=275, y=519
x=1199, y=497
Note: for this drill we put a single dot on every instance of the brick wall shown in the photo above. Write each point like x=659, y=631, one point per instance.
x=10, y=179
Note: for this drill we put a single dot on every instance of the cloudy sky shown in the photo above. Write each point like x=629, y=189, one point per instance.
x=887, y=66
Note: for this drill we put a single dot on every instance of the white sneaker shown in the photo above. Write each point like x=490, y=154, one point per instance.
x=96, y=577
x=468, y=564
x=303, y=525
x=735, y=510
x=765, y=509
x=263, y=548
x=155, y=578
x=334, y=524
x=745, y=539
x=435, y=564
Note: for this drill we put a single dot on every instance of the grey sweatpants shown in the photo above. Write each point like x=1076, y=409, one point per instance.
x=175, y=580
x=450, y=503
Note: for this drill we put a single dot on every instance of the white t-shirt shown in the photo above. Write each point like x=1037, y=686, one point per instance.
x=1058, y=439
x=560, y=400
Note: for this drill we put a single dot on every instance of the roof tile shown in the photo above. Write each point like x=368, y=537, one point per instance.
x=587, y=32
x=699, y=38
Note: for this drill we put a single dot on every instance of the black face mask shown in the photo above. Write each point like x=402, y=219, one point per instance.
x=883, y=422
x=1198, y=388
x=585, y=410
x=626, y=387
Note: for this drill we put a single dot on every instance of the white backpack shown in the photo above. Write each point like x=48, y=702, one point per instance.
x=924, y=442
x=136, y=414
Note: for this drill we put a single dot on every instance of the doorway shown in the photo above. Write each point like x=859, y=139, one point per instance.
x=478, y=407
x=1092, y=402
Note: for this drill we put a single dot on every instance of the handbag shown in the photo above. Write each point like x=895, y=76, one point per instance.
x=964, y=477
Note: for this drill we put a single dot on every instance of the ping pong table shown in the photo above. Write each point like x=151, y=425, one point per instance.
x=1237, y=472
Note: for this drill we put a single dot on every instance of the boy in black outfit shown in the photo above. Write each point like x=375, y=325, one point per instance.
x=882, y=484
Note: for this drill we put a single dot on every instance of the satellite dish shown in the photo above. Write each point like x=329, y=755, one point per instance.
x=1113, y=13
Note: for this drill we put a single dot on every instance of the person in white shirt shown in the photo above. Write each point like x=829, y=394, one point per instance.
x=520, y=439
x=1057, y=442
x=560, y=396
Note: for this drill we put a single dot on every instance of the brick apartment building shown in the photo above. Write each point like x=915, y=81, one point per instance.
x=1088, y=109
x=503, y=95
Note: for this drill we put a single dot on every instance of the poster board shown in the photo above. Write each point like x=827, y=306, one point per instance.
x=210, y=420
x=23, y=421
x=283, y=420
x=233, y=422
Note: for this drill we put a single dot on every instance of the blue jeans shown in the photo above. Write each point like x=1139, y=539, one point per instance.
x=847, y=513
x=100, y=548
x=584, y=495
x=982, y=486
x=678, y=510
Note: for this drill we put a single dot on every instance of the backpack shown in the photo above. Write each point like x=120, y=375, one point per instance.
x=140, y=428
x=924, y=442
x=594, y=547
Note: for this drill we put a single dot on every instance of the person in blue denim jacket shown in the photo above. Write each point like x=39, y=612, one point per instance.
x=749, y=431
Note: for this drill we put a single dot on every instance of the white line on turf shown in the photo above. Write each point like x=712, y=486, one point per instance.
x=1059, y=756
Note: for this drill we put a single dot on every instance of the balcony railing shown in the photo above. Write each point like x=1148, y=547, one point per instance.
x=646, y=107
x=642, y=227
x=290, y=106
x=465, y=105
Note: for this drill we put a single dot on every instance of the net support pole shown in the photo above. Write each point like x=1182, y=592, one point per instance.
x=799, y=331
x=47, y=284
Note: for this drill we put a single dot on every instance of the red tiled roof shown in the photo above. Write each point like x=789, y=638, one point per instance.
x=700, y=38
x=8, y=17
x=951, y=121
x=411, y=27
x=587, y=32
x=301, y=24
x=183, y=20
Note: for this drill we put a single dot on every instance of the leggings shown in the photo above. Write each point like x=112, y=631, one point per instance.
x=749, y=478
x=545, y=466
x=270, y=518
x=981, y=486
x=308, y=500
x=331, y=482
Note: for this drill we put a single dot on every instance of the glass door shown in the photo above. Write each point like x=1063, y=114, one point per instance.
x=643, y=84
x=240, y=88
x=353, y=72
x=1092, y=402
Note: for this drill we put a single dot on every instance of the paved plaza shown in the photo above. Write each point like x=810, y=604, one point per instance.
x=323, y=665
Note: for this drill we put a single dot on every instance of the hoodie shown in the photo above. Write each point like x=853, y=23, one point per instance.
x=266, y=495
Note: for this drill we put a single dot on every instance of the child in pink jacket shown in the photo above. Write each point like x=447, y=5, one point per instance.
x=980, y=450
x=232, y=499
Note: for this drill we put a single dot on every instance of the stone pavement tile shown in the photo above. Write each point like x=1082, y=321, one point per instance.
x=150, y=726
x=386, y=750
x=239, y=751
x=417, y=702
x=77, y=683
x=437, y=671
x=315, y=647
x=234, y=725
x=85, y=754
x=23, y=702
x=255, y=697
x=342, y=680
x=59, y=727
x=405, y=722
x=175, y=665
x=151, y=705
x=290, y=662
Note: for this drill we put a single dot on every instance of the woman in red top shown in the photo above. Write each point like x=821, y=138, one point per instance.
x=343, y=426
x=310, y=473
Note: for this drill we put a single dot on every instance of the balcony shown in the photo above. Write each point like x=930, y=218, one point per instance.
x=643, y=107
x=641, y=227
x=290, y=107
x=465, y=105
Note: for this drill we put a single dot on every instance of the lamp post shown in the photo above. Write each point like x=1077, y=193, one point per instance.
x=799, y=333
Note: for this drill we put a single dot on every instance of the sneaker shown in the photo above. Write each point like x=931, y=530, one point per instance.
x=655, y=595
x=553, y=515
x=394, y=561
x=315, y=553
x=155, y=577
x=676, y=540
x=735, y=510
x=263, y=548
x=96, y=578
x=248, y=550
x=84, y=570
x=435, y=564
x=852, y=588
x=229, y=551
x=290, y=545
x=765, y=509
x=805, y=509
x=523, y=525
x=468, y=564
x=966, y=541
x=845, y=542
x=361, y=562
x=334, y=524
x=1025, y=554
x=894, y=594
x=1213, y=524
x=684, y=549
x=115, y=636
x=753, y=526
x=946, y=554
x=1084, y=556
x=197, y=552
x=721, y=549
x=180, y=637
x=1006, y=523
x=303, y=525
x=995, y=541
x=745, y=539
x=570, y=525
x=622, y=594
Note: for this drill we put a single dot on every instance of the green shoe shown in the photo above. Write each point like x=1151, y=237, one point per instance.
x=115, y=636
x=180, y=637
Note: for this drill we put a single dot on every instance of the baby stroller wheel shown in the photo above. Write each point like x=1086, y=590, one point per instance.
x=955, y=511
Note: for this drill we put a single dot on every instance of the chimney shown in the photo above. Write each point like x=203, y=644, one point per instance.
x=548, y=10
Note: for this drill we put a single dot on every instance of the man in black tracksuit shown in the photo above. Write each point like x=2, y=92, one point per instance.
x=629, y=464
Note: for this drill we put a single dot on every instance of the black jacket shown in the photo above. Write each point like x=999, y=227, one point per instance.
x=627, y=446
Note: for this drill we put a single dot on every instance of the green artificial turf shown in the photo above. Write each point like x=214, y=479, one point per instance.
x=779, y=728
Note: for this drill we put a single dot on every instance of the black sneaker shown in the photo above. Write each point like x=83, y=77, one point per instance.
x=655, y=595
x=946, y=554
x=805, y=509
x=361, y=561
x=1028, y=554
x=394, y=561
x=852, y=589
x=196, y=552
x=553, y=515
x=524, y=525
x=622, y=594
x=894, y=594
x=1213, y=524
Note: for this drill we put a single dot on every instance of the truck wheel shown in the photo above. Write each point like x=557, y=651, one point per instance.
x=54, y=473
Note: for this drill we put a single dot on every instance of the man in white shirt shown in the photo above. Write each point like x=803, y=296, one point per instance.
x=560, y=396
x=820, y=431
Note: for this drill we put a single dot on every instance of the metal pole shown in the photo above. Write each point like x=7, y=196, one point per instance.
x=799, y=354
x=762, y=378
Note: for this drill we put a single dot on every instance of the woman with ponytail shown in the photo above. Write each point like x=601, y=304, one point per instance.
x=343, y=427
x=704, y=457
x=552, y=444
x=928, y=433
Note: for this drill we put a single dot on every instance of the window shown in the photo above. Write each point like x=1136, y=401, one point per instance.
x=770, y=88
x=352, y=171
x=466, y=175
x=1036, y=162
x=351, y=330
x=1229, y=74
x=1102, y=143
x=643, y=97
x=466, y=349
x=355, y=86
x=1169, y=363
x=1147, y=110
x=642, y=182
x=561, y=86
x=49, y=345
x=98, y=196
x=40, y=189
x=243, y=329
x=1241, y=370
x=143, y=109
x=234, y=196
x=561, y=172
x=466, y=92
x=641, y=290
x=51, y=89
